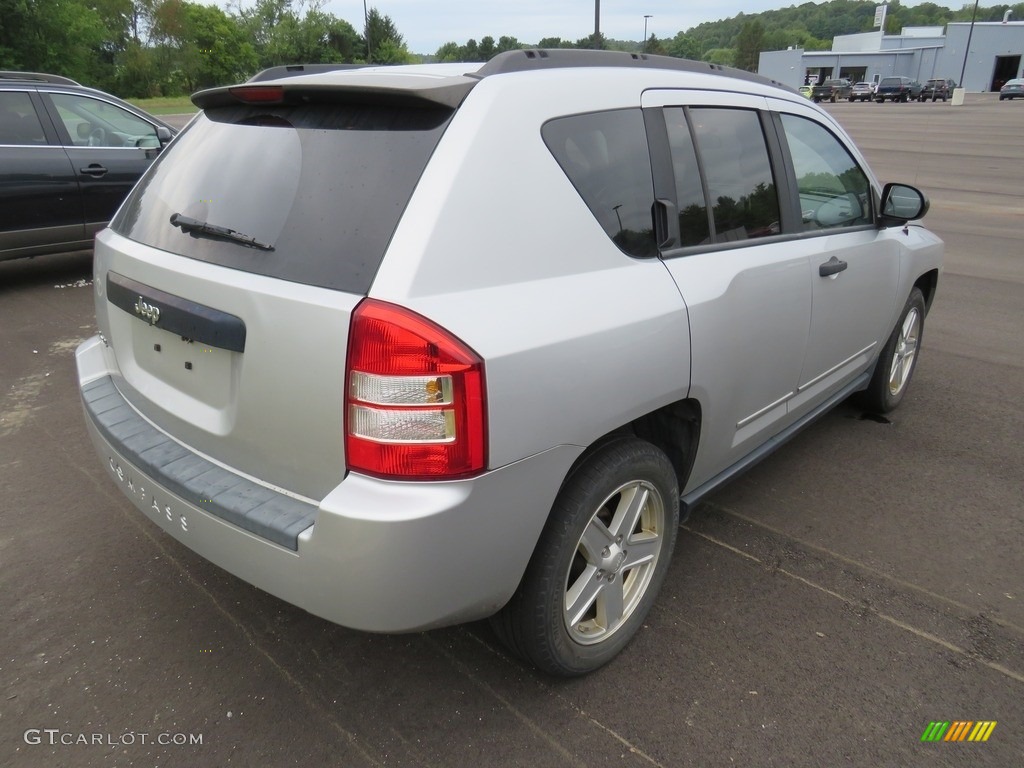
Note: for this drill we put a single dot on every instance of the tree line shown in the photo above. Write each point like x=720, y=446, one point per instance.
x=145, y=48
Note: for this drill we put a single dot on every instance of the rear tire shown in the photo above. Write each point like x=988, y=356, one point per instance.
x=599, y=564
x=898, y=358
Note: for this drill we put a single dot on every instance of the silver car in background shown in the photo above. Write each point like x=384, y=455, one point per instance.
x=415, y=346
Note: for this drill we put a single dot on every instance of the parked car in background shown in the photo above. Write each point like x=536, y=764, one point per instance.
x=68, y=157
x=1012, y=89
x=897, y=88
x=805, y=90
x=936, y=89
x=327, y=363
x=832, y=90
x=862, y=92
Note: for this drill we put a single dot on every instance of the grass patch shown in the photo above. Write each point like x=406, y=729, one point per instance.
x=166, y=105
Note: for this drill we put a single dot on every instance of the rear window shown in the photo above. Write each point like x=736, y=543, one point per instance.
x=323, y=184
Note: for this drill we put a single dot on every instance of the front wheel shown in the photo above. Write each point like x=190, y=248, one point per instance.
x=600, y=561
x=898, y=358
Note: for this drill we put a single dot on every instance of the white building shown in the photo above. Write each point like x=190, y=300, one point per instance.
x=922, y=53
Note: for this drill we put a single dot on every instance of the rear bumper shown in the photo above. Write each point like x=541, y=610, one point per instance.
x=372, y=555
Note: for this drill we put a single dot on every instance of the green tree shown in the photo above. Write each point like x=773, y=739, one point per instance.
x=554, y=42
x=722, y=56
x=684, y=46
x=449, y=52
x=202, y=46
x=749, y=44
x=655, y=47
x=506, y=43
x=384, y=44
x=487, y=49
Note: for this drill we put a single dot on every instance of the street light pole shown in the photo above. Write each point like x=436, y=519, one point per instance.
x=597, y=24
x=646, y=17
x=967, y=51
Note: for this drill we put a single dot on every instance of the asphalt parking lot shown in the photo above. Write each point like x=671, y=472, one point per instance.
x=822, y=610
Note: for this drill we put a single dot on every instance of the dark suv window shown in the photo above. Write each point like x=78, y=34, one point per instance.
x=323, y=185
x=694, y=224
x=606, y=158
x=19, y=123
x=737, y=172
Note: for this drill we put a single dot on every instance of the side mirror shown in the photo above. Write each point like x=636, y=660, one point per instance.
x=163, y=134
x=902, y=203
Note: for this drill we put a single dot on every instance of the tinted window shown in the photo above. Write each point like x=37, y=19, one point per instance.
x=605, y=156
x=834, y=192
x=323, y=184
x=19, y=123
x=739, y=178
x=694, y=227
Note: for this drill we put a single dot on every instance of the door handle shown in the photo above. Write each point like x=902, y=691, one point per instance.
x=94, y=169
x=832, y=267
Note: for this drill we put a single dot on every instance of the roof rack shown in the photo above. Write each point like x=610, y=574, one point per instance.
x=294, y=70
x=527, y=60
x=37, y=77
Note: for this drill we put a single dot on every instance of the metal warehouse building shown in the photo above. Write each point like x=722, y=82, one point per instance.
x=992, y=57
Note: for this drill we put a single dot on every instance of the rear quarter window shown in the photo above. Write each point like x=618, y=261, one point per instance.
x=606, y=157
x=323, y=184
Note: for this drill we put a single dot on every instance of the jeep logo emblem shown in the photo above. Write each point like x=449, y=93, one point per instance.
x=147, y=311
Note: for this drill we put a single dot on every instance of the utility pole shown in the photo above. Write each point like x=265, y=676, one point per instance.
x=597, y=24
x=646, y=17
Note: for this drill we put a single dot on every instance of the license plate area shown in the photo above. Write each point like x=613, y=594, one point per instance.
x=191, y=367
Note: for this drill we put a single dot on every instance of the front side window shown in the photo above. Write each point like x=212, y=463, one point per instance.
x=740, y=184
x=94, y=123
x=834, y=191
x=605, y=156
x=19, y=123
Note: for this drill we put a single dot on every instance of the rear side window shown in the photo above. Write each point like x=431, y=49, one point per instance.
x=19, y=123
x=605, y=156
x=694, y=224
x=737, y=171
x=324, y=185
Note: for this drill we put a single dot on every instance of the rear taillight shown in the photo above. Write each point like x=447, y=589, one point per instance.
x=415, y=407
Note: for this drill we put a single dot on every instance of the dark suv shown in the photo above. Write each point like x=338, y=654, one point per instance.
x=68, y=156
x=832, y=90
x=941, y=88
x=898, y=88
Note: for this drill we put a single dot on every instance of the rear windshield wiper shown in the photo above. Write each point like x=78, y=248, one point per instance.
x=195, y=226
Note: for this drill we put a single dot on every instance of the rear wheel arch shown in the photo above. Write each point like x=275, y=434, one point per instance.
x=674, y=429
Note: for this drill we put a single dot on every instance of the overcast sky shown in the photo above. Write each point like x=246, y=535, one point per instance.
x=427, y=24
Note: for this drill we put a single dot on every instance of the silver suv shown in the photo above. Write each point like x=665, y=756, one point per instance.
x=414, y=346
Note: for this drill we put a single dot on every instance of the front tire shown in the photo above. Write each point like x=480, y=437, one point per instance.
x=600, y=561
x=898, y=358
